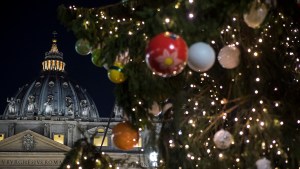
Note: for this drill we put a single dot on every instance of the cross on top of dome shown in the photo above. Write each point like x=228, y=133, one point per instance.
x=54, y=53
x=54, y=45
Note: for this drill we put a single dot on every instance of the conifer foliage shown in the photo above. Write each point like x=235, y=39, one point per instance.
x=236, y=107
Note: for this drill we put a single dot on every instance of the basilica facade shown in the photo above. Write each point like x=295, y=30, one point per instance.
x=44, y=119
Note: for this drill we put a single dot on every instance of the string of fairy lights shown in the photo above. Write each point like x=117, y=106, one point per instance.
x=246, y=124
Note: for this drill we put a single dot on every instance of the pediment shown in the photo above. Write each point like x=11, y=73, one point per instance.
x=29, y=141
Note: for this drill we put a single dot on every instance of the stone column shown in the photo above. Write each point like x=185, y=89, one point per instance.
x=11, y=129
x=47, y=130
x=70, y=134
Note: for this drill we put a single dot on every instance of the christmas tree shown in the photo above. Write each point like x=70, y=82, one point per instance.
x=221, y=76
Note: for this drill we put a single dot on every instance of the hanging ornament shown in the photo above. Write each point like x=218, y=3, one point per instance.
x=155, y=109
x=167, y=107
x=263, y=163
x=96, y=58
x=125, y=136
x=201, y=57
x=222, y=139
x=166, y=54
x=115, y=73
x=229, y=57
x=83, y=47
x=256, y=15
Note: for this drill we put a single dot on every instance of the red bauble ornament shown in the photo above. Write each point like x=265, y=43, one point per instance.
x=166, y=54
x=125, y=136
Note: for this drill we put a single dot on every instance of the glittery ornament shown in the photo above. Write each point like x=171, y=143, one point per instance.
x=125, y=136
x=263, y=163
x=229, y=57
x=166, y=54
x=256, y=15
x=222, y=139
x=115, y=73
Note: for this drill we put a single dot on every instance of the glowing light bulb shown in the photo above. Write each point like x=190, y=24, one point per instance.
x=191, y=15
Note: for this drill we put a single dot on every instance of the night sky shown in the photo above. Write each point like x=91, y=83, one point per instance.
x=26, y=34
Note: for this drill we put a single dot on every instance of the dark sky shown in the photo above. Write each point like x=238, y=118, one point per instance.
x=26, y=34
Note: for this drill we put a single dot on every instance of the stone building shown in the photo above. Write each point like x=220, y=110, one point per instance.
x=43, y=120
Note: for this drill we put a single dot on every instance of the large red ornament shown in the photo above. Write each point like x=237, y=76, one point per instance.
x=125, y=136
x=166, y=54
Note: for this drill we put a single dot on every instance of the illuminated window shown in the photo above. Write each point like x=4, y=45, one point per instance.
x=59, y=138
x=98, y=140
x=48, y=65
x=1, y=136
x=99, y=137
x=60, y=66
x=100, y=130
x=57, y=65
x=139, y=144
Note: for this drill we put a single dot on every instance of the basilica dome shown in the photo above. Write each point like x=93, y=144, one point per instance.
x=52, y=96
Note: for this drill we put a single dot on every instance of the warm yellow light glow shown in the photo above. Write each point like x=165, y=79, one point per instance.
x=53, y=65
x=98, y=140
x=59, y=138
x=100, y=130
x=139, y=144
x=1, y=136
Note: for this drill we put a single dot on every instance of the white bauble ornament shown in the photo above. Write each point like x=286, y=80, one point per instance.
x=229, y=57
x=256, y=15
x=201, y=57
x=155, y=109
x=263, y=163
x=222, y=139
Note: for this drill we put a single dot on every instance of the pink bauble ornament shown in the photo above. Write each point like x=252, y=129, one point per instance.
x=166, y=54
x=229, y=57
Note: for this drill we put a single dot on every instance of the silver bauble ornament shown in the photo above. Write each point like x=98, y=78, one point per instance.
x=222, y=139
x=263, y=163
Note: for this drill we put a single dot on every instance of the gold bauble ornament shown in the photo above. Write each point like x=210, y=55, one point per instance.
x=256, y=15
x=115, y=73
